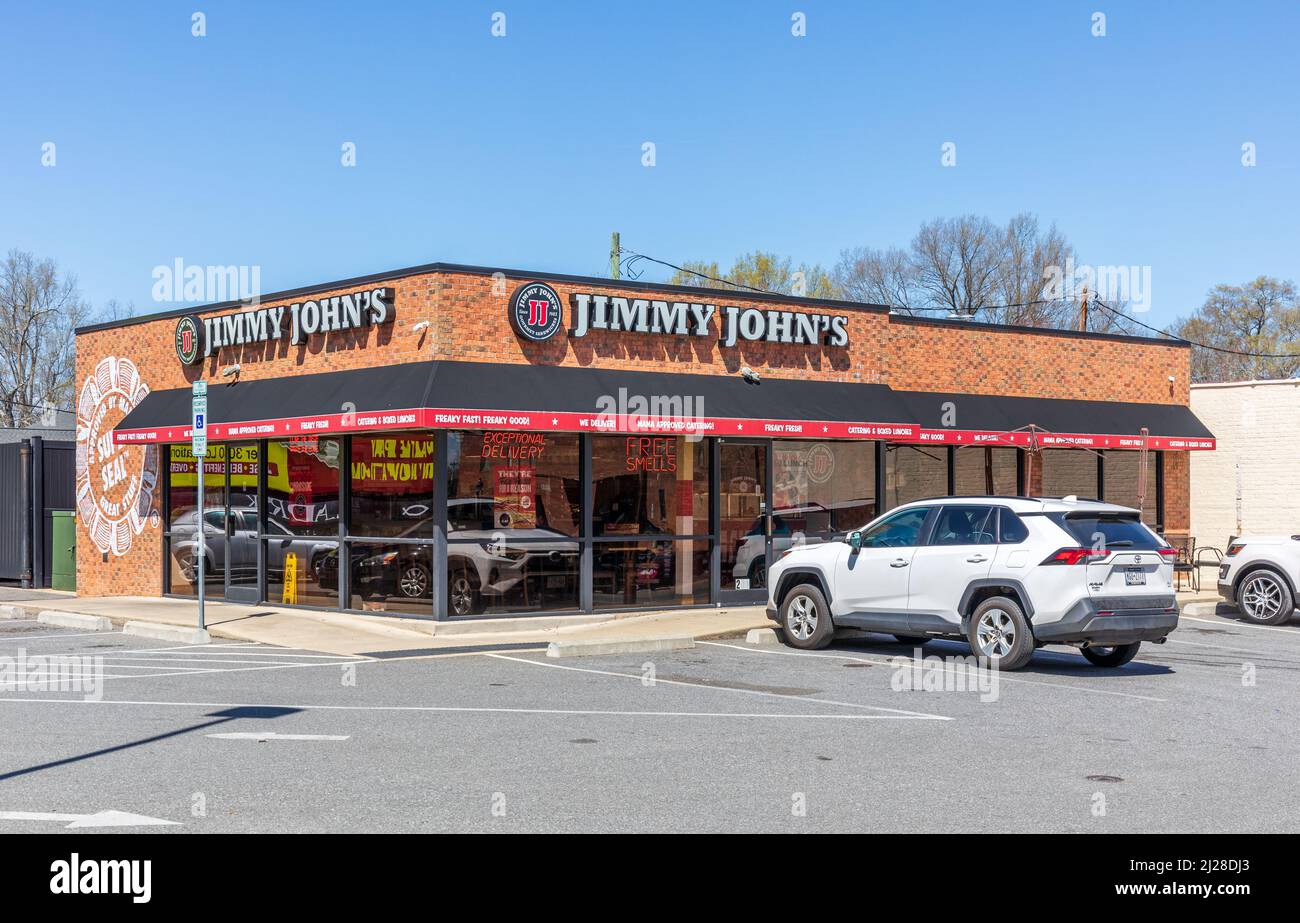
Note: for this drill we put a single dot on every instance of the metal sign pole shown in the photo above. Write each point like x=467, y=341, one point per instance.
x=199, y=449
x=201, y=539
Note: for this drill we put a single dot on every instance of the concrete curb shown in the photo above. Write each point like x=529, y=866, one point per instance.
x=13, y=612
x=596, y=647
x=764, y=637
x=161, y=631
x=75, y=620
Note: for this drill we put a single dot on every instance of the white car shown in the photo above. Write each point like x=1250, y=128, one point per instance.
x=1008, y=574
x=1260, y=574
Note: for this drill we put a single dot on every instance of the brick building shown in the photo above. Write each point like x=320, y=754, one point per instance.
x=449, y=440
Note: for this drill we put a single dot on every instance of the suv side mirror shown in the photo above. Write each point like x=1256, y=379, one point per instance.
x=855, y=540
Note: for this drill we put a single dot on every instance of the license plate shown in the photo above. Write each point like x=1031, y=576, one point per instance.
x=1134, y=576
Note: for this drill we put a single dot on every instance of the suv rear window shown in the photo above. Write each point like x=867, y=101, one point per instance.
x=1114, y=530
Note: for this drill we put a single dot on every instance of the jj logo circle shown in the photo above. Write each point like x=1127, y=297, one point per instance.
x=189, y=340
x=535, y=311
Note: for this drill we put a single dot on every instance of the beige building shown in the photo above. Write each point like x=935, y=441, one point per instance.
x=1251, y=482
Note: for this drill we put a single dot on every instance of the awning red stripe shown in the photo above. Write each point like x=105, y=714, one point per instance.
x=559, y=422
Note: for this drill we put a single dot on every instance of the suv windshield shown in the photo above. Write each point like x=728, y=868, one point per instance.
x=1110, y=530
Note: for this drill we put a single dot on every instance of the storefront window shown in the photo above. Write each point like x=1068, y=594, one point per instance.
x=821, y=488
x=392, y=484
x=519, y=483
x=302, y=485
x=914, y=473
x=393, y=577
x=300, y=570
x=985, y=471
x=1069, y=472
x=183, y=480
x=669, y=572
x=504, y=576
x=1120, y=478
x=650, y=484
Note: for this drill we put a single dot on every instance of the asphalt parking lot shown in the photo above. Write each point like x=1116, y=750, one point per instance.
x=1195, y=735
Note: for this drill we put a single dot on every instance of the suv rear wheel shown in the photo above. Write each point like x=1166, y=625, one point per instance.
x=806, y=618
x=999, y=633
x=1115, y=656
x=1265, y=598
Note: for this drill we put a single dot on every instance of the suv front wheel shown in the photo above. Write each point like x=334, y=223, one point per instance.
x=1265, y=598
x=999, y=633
x=806, y=618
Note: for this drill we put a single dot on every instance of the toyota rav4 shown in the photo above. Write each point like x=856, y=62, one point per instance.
x=1007, y=574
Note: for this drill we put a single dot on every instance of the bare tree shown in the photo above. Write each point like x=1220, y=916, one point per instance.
x=1028, y=255
x=879, y=277
x=1262, y=316
x=39, y=310
x=957, y=262
x=760, y=270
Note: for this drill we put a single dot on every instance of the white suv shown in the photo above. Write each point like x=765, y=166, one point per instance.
x=1260, y=574
x=1008, y=574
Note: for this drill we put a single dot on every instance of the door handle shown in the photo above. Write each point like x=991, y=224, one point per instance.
x=977, y=559
x=898, y=562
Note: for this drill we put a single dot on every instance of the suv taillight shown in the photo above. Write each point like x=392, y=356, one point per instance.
x=1235, y=548
x=1075, y=555
x=1167, y=552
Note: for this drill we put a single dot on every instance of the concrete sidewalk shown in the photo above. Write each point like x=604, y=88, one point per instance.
x=345, y=633
x=381, y=635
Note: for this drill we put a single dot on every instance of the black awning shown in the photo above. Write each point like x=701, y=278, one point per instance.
x=482, y=395
x=937, y=411
x=585, y=390
x=162, y=415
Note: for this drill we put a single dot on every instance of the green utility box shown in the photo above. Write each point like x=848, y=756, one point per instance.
x=63, y=550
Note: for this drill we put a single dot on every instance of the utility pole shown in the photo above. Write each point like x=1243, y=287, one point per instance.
x=1083, y=311
x=614, y=250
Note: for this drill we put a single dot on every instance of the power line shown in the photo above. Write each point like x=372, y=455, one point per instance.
x=1217, y=349
x=36, y=406
x=971, y=311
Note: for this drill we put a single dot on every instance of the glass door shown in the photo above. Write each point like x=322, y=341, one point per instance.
x=744, y=496
x=240, y=522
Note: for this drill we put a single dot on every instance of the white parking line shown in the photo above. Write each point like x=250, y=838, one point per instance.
x=272, y=735
x=456, y=709
x=1223, y=623
x=871, y=658
x=893, y=712
x=80, y=634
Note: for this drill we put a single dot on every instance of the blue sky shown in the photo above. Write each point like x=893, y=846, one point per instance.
x=525, y=151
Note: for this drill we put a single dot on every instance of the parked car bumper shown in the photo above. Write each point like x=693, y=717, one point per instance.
x=1225, y=591
x=1085, y=622
x=771, y=614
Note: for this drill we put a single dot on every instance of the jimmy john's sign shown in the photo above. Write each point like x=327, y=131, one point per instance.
x=537, y=314
x=197, y=338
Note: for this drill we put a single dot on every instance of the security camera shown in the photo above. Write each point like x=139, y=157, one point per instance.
x=749, y=375
x=230, y=370
x=416, y=328
x=1172, y=378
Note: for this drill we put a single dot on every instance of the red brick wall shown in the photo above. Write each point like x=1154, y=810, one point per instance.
x=467, y=321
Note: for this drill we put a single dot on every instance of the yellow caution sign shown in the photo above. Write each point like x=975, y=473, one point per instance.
x=290, y=594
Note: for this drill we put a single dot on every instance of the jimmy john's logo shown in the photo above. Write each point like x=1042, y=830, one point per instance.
x=189, y=340
x=536, y=312
x=198, y=339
